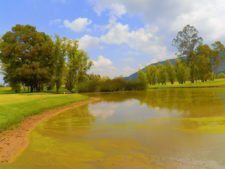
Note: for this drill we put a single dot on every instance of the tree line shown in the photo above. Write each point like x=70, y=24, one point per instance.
x=33, y=60
x=196, y=61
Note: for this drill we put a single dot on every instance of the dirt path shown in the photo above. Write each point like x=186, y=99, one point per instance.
x=13, y=142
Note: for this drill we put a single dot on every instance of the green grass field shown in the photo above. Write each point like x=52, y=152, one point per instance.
x=215, y=83
x=14, y=108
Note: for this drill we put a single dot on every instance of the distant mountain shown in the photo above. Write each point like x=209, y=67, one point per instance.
x=134, y=75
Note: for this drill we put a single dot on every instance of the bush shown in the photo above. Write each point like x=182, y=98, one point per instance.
x=88, y=86
x=118, y=84
x=221, y=76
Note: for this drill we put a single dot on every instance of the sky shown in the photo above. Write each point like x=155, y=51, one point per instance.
x=120, y=36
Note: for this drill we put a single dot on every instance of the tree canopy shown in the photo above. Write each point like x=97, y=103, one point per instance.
x=27, y=57
x=33, y=59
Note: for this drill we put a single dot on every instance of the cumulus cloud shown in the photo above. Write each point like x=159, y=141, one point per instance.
x=87, y=42
x=207, y=16
x=102, y=62
x=116, y=9
x=143, y=40
x=103, y=66
x=77, y=25
x=172, y=15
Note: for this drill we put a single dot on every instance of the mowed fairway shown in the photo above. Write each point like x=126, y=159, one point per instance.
x=14, y=108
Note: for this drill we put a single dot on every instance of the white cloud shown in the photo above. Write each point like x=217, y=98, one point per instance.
x=102, y=62
x=104, y=66
x=78, y=25
x=143, y=40
x=172, y=15
x=117, y=34
x=116, y=9
x=208, y=17
x=87, y=42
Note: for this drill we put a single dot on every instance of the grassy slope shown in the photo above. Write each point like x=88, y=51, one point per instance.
x=14, y=108
x=215, y=83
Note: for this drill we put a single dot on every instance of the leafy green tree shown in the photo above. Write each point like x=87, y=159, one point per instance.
x=77, y=66
x=171, y=72
x=162, y=74
x=27, y=57
x=218, y=55
x=59, y=54
x=203, y=55
x=94, y=77
x=142, y=77
x=151, y=74
x=187, y=41
x=182, y=72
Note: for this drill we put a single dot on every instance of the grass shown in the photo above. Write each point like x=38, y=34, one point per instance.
x=5, y=90
x=14, y=108
x=199, y=84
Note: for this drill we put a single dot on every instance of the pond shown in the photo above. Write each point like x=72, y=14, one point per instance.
x=164, y=129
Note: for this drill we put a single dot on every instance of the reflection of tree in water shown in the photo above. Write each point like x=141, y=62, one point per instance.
x=191, y=102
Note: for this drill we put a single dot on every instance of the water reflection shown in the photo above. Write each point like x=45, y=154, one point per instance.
x=192, y=102
x=169, y=129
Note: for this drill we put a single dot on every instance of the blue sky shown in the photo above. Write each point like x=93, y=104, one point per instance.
x=120, y=36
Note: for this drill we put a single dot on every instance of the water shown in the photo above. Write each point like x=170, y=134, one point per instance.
x=171, y=129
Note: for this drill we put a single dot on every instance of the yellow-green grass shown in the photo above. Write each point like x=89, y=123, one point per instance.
x=5, y=90
x=14, y=108
x=199, y=84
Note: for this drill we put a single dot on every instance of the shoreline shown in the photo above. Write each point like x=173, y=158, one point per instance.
x=183, y=87
x=14, y=142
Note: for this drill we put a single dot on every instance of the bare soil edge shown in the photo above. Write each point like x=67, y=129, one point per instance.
x=14, y=142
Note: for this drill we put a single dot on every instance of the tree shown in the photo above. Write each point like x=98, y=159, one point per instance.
x=182, y=71
x=218, y=55
x=59, y=53
x=171, y=72
x=162, y=74
x=27, y=57
x=203, y=55
x=78, y=64
x=142, y=77
x=151, y=74
x=187, y=42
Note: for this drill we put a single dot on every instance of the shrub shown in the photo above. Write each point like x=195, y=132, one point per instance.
x=118, y=84
x=221, y=76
